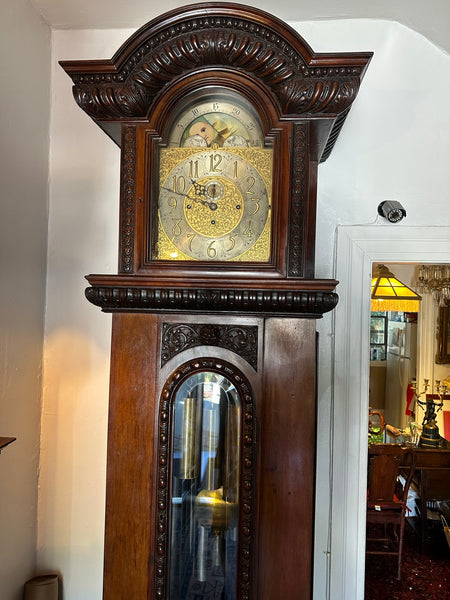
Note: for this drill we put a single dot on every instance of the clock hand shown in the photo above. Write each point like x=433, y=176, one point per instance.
x=193, y=198
x=199, y=189
x=211, y=191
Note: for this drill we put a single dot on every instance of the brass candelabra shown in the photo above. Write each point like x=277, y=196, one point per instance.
x=430, y=437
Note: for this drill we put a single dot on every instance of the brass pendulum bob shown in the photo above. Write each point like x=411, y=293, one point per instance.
x=213, y=512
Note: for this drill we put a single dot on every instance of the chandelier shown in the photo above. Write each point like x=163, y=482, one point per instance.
x=435, y=280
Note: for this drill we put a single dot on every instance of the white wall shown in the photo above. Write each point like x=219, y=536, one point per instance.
x=24, y=125
x=83, y=227
x=394, y=145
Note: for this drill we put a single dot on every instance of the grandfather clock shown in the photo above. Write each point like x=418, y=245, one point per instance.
x=222, y=113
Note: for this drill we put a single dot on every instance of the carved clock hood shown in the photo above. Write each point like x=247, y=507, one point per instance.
x=306, y=84
x=310, y=95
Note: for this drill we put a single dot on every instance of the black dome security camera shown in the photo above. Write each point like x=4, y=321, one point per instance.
x=391, y=210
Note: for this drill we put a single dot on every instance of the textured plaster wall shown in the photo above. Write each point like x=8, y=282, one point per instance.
x=24, y=143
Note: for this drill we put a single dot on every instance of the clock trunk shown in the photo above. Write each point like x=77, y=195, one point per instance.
x=273, y=369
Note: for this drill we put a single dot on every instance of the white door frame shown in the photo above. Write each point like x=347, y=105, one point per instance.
x=357, y=248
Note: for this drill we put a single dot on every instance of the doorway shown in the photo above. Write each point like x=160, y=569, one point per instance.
x=393, y=358
x=357, y=248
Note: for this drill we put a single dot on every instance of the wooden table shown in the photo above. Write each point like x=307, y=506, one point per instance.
x=433, y=479
x=432, y=476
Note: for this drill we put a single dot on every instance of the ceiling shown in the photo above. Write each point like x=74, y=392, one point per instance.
x=430, y=18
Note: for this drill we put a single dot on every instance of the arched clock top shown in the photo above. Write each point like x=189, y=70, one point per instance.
x=212, y=35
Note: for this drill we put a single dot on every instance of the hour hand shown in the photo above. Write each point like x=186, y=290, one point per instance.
x=212, y=191
x=193, y=198
x=198, y=188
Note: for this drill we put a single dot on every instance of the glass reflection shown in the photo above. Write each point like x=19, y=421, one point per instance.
x=205, y=489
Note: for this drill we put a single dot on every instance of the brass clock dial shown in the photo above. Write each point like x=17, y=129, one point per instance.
x=215, y=182
x=214, y=204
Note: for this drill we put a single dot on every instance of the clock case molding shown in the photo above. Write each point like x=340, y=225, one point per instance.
x=302, y=99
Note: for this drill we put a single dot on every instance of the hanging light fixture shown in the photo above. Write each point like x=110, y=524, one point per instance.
x=389, y=293
x=435, y=280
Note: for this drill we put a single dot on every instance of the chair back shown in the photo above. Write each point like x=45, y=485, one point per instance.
x=385, y=461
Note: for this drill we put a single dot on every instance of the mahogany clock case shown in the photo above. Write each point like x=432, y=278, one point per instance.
x=181, y=310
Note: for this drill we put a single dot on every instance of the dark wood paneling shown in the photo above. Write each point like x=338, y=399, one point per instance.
x=284, y=390
x=129, y=535
x=287, y=447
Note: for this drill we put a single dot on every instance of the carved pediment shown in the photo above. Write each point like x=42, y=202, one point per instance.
x=207, y=37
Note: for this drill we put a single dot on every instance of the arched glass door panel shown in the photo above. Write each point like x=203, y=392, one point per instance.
x=204, y=513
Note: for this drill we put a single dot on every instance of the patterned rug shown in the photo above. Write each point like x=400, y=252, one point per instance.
x=424, y=576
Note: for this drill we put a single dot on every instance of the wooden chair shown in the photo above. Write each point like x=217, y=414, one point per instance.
x=386, y=499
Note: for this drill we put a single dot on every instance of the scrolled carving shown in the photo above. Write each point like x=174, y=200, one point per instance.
x=112, y=101
x=127, y=208
x=169, y=62
x=242, y=340
x=319, y=96
x=241, y=38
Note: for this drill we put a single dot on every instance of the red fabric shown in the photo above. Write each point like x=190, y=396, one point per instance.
x=409, y=412
x=446, y=415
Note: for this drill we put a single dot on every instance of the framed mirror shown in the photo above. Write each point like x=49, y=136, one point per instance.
x=443, y=336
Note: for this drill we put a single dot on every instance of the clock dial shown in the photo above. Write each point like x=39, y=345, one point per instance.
x=214, y=204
